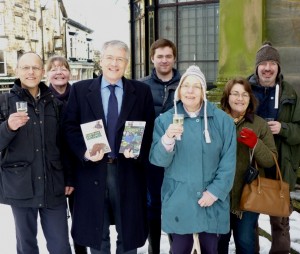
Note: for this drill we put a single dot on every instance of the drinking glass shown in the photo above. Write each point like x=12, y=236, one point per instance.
x=178, y=119
x=21, y=106
x=268, y=119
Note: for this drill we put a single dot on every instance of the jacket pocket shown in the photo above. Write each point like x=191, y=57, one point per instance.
x=57, y=177
x=16, y=181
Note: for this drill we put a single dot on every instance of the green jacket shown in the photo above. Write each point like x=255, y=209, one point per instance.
x=288, y=140
x=262, y=154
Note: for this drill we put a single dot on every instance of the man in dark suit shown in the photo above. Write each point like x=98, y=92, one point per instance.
x=110, y=188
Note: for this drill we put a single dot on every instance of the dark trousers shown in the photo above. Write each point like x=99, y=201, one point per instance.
x=112, y=213
x=54, y=225
x=77, y=248
x=244, y=234
x=183, y=244
x=155, y=177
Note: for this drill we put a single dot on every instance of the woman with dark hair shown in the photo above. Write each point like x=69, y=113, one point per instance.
x=255, y=145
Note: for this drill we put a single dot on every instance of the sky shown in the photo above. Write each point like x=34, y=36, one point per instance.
x=108, y=18
x=8, y=242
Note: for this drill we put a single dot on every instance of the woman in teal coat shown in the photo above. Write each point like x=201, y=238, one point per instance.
x=199, y=168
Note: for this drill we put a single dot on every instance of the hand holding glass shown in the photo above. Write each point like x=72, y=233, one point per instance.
x=269, y=119
x=21, y=106
x=178, y=119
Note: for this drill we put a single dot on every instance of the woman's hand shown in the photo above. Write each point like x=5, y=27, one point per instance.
x=207, y=199
x=69, y=190
x=248, y=137
x=174, y=130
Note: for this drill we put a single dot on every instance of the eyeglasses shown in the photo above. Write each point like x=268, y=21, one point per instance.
x=238, y=95
x=187, y=86
x=27, y=68
x=119, y=60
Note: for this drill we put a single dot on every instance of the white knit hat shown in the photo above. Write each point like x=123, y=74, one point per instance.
x=195, y=71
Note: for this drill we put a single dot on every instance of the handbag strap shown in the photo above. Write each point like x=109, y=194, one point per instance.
x=278, y=173
x=251, y=153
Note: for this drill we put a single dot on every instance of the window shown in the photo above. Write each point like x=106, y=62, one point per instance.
x=2, y=63
x=58, y=43
x=139, y=24
x=195, y=31
x=19, y=27
x=73, y=54
x=167, y=1
x=33, y=29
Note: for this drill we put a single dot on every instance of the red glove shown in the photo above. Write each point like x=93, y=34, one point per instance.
x=248, y=137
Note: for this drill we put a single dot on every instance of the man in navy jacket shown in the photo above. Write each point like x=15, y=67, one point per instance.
x=110, y=189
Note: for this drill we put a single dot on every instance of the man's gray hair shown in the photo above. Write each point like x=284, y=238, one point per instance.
x=118, y=44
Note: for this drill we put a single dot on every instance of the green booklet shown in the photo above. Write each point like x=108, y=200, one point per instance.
x=133, y=136
x=94, y=137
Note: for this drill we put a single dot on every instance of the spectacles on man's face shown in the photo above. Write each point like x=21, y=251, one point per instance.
x=28, y=68
x=237, y=95
x=118, y=60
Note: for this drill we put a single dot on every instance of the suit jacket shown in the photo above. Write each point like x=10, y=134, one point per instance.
x=85, y=105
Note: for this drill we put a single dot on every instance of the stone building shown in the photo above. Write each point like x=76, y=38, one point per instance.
x=221, y=36
x=43, y=27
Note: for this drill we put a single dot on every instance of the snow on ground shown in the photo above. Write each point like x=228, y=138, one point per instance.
x=8, y=242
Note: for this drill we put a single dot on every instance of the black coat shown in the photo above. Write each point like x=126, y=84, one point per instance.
x=85, y=105
x=31, y=172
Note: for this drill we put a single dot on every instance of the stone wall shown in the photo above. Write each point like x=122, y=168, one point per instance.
x=282, y=28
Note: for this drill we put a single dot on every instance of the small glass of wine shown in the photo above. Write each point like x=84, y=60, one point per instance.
x=178, y=119
x=21, y=106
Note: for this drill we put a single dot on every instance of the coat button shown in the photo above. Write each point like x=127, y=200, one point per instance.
x=96, y=182
x=197, y=120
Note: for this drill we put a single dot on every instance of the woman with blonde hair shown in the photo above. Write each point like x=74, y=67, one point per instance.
x=58, y=75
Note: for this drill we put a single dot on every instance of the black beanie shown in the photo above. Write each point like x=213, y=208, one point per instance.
x=267, y=53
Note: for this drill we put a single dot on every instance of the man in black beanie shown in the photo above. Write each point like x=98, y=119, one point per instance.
x=279, y=104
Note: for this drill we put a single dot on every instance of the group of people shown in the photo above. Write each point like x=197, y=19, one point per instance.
x=188, y=177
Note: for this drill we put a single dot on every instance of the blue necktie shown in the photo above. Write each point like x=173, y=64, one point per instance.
x=112, y=118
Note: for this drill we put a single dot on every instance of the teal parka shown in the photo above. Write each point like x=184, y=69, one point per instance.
x=193, y=167
x=262, y=154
